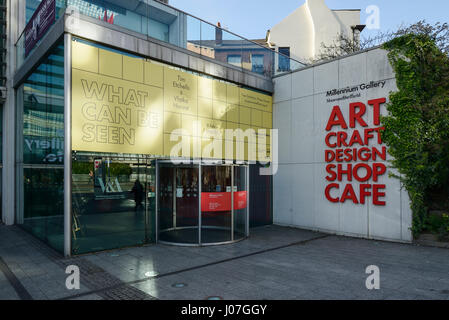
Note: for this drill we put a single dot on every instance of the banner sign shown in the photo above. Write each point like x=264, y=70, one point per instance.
x=125, y=104
x=40, y=22
x=215, y=201
x=221, y=201
x=240, y=200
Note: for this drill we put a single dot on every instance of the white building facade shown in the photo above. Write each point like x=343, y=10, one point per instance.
x=334, y=174
x=311, y=25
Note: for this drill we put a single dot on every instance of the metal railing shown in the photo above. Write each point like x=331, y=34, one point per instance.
x=166, y=23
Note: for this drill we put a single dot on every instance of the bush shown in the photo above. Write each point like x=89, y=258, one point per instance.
x=417, y=127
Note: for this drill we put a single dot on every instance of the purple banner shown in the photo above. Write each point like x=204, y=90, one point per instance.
x=42, y=19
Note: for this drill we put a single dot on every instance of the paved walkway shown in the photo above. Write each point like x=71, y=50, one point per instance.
x=275, y=263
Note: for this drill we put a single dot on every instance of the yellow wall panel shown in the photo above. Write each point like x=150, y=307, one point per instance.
x=233, y=94
x=181, y=92
x=133, y=69
x=205, y=108
x=153, y=74
x=172, y=121
x=249, y=134
x=232, y=113
x=232, y=125
x=256, y=117
x=210, y=124
x=205, y=87
x=190, y=125
x=169, y=145
x=123, y=104
x=219, y=92
x=112, y=115
x=245, y=115
x=110, y=63
x=256, y=100
x=267, y=120
x=219, y=110
x=84, y=57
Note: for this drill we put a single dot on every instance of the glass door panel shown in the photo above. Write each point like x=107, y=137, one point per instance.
x=109, y=203
x=178, y=204
x=166, y=205
x=216, y=210
x=150, y=202
x=240, y=202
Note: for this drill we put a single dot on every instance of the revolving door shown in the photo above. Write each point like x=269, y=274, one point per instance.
x=202, y=204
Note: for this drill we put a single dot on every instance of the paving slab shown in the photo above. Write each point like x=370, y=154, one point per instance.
x=274, y=263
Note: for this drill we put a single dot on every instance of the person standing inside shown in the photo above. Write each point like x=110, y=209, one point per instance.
x=138, y=194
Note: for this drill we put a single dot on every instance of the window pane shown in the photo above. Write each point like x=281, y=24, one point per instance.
x=284, y=59
x=41, y=210
x=235, y=60
x=257, y=63
x=110, y=200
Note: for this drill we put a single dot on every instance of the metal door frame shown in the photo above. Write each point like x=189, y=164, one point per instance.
x=200, y=164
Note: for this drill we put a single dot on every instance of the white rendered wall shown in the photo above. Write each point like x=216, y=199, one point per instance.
x=297, y=32
x=312, y=24
x=300, y=113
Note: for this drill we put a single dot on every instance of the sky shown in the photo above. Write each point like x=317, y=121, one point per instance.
x=252, y=18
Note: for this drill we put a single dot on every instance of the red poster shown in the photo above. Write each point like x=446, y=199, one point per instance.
x=221, y=201
x=215, y=201
x=240, y=200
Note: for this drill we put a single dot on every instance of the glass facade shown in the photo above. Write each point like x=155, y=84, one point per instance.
x=165, y=23
x=178, y=203
x=216, y=226
x=202, y=204
x=1, y=157
x=40, y=156
x=113, y=201
x=132, y=197
x=284, y=59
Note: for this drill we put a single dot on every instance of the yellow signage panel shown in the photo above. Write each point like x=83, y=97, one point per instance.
x=112, y=115
x=125, y=104
x=256, y=100
x=180, y=92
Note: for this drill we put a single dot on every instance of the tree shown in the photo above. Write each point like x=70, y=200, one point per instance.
x=417, y=127
x=345, y=44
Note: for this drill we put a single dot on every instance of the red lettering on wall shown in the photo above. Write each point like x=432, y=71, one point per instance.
x=328, y=190
x=376, y=106
x=356, y=116
x=356, y=163
x=336, y=119
x=377, y=194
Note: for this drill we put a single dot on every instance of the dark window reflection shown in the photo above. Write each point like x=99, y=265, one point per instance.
x=41, y=210
x=113, y=202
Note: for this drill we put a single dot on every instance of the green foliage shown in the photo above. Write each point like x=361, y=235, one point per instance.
x=439, y=225
x=82, y=167
x=120, y=169
x=417, y=127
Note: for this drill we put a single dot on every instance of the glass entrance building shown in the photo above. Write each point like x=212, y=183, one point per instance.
x=131, y=130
